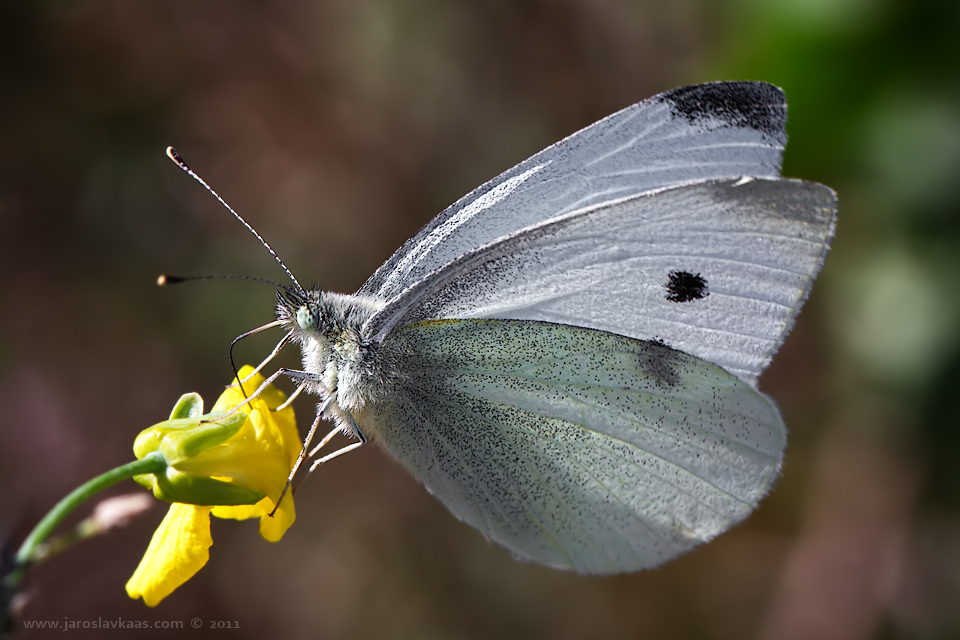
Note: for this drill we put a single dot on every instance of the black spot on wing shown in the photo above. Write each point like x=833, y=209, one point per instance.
x=683, y=286
x=660, y=362
x=753, y=105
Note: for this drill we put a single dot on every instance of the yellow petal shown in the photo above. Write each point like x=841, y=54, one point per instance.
x=179, y=548
x=239, y=512
x=259, y=456
x=271, y=529
x=252, y=458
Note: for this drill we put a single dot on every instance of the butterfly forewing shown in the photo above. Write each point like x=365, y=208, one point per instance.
x=572, y=447
x=685, y=135
x=718, y=270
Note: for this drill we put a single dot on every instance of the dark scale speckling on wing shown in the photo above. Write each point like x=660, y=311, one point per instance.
x=660, y=361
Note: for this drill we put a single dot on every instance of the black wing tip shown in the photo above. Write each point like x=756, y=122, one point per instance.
x=742, y=104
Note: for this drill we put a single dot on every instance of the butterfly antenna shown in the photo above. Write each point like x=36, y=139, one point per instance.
x=166, y=280
x=173, y=155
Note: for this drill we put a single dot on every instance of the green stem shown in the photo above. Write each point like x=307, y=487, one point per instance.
x=151, y=463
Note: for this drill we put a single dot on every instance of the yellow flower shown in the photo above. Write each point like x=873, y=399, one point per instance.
x=233, y=467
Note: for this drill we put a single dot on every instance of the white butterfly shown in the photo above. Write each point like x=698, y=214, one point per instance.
x=567, y=356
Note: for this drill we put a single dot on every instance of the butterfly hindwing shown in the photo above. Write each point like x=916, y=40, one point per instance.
x=572, y=447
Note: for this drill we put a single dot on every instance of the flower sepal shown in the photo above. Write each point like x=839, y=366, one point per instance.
x=176, y=486
x=182, y=439
x=188, y=431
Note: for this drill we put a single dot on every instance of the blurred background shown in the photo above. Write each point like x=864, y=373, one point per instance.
x=338, y=128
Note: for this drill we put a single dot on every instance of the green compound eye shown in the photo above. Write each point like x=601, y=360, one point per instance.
x=306, y=318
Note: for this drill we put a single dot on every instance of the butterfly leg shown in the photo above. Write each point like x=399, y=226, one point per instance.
x=337, y=453
x=327, y=438
x=353, y=429
x=303, y=454
x=289, y=401
x=273, y=354
x=351, y=424
x=306, y=441
x=266, y=383
x=345, y=418
x=348, y=420
x=331, y=456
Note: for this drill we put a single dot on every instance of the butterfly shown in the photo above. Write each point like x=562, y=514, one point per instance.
x=567, y=357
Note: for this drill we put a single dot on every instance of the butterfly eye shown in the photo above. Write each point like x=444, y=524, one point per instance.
x=306, y=318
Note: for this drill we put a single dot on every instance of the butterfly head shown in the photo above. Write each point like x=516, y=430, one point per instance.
x=300, y=311
x=322, y=312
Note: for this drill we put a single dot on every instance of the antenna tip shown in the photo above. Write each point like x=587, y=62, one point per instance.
x=164, y=280
x=173, y=155
x=161, y=280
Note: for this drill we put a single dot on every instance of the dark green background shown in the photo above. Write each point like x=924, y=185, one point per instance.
x=338, y=128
